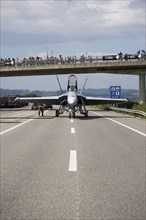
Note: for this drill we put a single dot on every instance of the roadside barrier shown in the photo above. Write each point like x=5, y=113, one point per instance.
x=129, y=111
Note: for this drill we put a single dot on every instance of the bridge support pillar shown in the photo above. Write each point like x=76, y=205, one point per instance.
x=142, y=89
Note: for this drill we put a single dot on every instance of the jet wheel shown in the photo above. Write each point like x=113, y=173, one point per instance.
x=69, y=114
x=57, y=113
x=86, y=114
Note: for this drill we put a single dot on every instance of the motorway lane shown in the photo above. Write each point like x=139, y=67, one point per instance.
x=111, y=170
x=110, y=178
x=35, y=179
x=134, y=122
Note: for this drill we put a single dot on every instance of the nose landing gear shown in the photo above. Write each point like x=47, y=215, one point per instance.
x=71, y=114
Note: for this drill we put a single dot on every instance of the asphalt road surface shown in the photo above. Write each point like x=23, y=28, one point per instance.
x=83, y=168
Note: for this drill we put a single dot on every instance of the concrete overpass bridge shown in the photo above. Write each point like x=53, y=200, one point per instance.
x=130, y=67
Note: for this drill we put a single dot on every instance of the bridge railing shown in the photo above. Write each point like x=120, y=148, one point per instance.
x=69, y=60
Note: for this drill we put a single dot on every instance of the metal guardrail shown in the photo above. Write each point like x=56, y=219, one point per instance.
x=129, y=111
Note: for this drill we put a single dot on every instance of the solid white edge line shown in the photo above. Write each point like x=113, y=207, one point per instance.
x=10, y=129
x=73, y=161
x=130, y=128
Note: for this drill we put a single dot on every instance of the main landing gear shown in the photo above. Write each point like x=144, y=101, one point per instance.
x=72, y=111
x=57, y=113
x=86, y=113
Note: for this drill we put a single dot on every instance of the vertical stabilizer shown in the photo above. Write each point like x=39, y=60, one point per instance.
x=83, y=87
x=59, y=84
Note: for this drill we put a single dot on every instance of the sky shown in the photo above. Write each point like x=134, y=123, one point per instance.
x=71, y=27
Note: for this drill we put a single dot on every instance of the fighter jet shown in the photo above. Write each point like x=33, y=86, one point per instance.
x=71, y=101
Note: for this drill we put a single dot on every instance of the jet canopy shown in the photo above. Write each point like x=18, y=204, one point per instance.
x=72, y=84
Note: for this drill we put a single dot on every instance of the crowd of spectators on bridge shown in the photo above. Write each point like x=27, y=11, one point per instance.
x=140, y=55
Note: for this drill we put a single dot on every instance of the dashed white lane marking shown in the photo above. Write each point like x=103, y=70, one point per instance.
x=130, y=128
x=10, y=129
x=73, y=161
x=72, y=131
x=72, y=120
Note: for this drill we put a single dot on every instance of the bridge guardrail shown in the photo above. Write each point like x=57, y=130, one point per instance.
x=68, y=60
x=129, y=111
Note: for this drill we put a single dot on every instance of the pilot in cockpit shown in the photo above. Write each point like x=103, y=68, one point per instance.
x=72, y=88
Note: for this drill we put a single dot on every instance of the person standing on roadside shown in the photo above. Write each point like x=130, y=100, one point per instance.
x=41, y=110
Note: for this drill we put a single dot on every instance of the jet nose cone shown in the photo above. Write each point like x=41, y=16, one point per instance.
x=72, y=101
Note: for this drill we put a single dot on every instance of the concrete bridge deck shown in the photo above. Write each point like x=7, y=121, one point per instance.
x=132, y=67
x=116, y=67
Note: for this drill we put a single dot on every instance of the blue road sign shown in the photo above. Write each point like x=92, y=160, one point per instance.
x=115, y=92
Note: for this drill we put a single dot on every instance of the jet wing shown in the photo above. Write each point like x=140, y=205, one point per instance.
x=88, y=100
x=51, y=100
